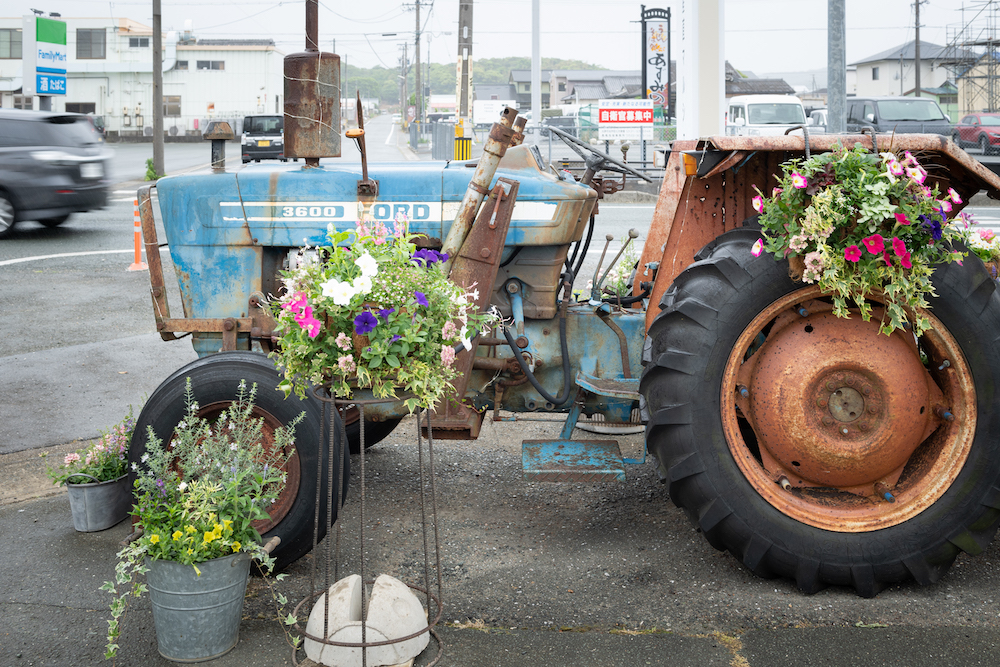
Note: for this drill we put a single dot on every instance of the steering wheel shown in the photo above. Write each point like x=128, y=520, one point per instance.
x=594, y=159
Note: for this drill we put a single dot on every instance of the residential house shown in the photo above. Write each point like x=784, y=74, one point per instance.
x=893, y=72
x=520, y=79
x=747, y=83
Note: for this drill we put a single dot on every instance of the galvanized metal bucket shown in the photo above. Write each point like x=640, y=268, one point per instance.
x=197, y=618
x=98, y=505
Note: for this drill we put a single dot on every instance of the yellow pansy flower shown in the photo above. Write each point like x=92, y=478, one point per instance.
x=236, y=546
x=209, y=536
x=154, y=538
x=177, y=535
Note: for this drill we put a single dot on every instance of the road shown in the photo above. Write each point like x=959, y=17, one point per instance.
x=77, y=346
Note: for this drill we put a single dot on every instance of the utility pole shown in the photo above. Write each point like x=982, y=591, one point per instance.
x=464, y=61
x=157, y=90
x=836, y=66
x=916, y=48
x=420, y=91
x=406, y=100
x=536, y=71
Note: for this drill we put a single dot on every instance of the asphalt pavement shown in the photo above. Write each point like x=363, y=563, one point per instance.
x=566, y=575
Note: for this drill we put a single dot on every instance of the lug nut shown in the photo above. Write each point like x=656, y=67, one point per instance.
x=744, y=392
x=803, y=312
x=945, y=364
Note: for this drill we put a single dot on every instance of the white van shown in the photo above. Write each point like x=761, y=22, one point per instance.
x=755, y=115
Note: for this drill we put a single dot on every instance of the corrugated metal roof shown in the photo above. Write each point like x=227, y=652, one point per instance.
x=623, y=86
x=589, y=91
x=758, y=87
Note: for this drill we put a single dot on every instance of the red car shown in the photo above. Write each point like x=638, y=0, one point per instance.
x=979, y=129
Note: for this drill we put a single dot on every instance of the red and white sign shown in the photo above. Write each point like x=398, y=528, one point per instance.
x=624, y=119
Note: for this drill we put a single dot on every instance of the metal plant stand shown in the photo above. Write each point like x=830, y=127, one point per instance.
x=328, y=572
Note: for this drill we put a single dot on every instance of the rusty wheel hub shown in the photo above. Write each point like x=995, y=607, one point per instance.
x=834, y=403
x=842, y=426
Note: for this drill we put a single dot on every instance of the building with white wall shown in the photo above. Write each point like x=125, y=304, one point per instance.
x=110, y=74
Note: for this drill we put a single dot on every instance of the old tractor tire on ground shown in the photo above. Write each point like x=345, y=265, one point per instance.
x=214, y=381
x=858, y=463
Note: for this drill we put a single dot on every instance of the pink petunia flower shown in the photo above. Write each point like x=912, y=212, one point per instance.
x=954, y=196
x=852, y=253
x=886, y=257
x=916, y=174
x=758, y=248
x=895, y=168
x=986, y=234
x=799, y=181
x=447, y=355
x=298, y=302
x=758, y=204
x=898, y=247
x=904, y=260
x=776, y=191
x=945, y=205
x=874, y=243
x=902, y=219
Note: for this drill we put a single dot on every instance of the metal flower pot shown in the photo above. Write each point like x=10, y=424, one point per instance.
x=197, y=618
x=98, y=505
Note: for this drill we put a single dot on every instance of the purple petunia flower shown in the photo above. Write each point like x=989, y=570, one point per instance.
x=364, y=323
x=421, y=298
x=385, y=313
x=428, y=256
x=394, y=339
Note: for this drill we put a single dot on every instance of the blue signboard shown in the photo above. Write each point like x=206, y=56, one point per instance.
x=50, y=84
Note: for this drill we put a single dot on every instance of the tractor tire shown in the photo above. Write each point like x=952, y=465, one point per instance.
x=375, y=432
x=731, y=311
x=214, y=380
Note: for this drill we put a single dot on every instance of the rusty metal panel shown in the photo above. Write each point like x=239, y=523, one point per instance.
x=572, y=461
x=312, y=105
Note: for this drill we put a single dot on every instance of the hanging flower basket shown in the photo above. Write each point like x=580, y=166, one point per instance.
x=371, y=311
x=860, y=225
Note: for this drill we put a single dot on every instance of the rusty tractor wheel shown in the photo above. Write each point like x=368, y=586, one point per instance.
x=811, y=446
x=214, y=381
x=375, y=431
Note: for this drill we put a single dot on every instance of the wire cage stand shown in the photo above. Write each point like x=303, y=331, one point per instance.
x=330, y=553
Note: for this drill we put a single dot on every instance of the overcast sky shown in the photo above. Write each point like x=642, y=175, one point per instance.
x=760, y=35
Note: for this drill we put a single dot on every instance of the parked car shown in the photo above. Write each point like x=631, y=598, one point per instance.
x=763, y=115
x=979, y=129
x=565, y=123
x=51, y=166
x=817, y=120
x=902, y=115
x=264, y=138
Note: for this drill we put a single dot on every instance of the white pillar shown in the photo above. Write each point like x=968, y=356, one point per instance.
x=701, y=80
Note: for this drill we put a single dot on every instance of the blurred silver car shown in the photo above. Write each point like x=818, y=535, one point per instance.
x=51, y=166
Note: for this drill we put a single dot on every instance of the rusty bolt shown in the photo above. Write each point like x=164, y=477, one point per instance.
x=867, y=390
x=830, y=385
x=873, y=409
x=827, y=420
x=863, y=426
x=744, y=392
x=821, y=402
x=545, y=332
x=849, y=380
x=844, y=431
x=484, y=253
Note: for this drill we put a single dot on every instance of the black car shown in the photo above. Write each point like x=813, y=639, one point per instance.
x=51, y=166
x=902, y=115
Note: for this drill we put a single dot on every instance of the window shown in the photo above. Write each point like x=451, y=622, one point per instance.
x=181, y=64
x=90, y=44
x=10, y=44
x=23, y=102
x=562, y=86
x=211, y=64
x=138, y=42
x=81, y=107
x=527, y=87
x=171, y=105
x=874, y=73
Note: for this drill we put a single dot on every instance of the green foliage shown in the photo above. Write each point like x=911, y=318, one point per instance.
x=383, y=83
x=105, y=460
x=863, y=225
x=151, y=174
x=197, y=500
x=371, y=311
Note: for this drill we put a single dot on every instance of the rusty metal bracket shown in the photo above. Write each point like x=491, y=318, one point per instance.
x=367, y=187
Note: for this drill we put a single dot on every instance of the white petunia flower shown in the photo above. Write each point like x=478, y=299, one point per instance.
x=340, y=292
x=362, y=284
x=368, y=265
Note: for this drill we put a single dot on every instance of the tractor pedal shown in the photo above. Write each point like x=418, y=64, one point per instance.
x=627, y=388
x=572, y=461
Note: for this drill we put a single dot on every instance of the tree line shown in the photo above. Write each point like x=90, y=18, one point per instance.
x=383, y=83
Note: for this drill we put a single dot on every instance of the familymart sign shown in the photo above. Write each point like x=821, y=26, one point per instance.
x=44, y=56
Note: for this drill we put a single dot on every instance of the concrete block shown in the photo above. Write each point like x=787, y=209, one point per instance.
x=393, y=612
